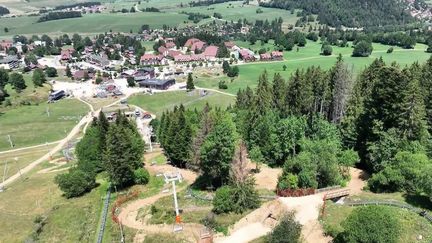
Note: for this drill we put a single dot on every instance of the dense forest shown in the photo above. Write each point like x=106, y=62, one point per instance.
x=208, y=2
x=316, y=125
x=59, y=15
x=3, y=11
x=360, y=13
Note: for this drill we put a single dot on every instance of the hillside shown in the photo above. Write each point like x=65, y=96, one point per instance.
x=359, y=13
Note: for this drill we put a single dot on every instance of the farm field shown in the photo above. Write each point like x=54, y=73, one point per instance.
x=309, y=56
x=160, y=102
x=30, y=125
x=90, y=23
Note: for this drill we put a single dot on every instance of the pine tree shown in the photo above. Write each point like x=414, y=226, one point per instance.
x=68, y=71
x=340, y=80
x=426, y=86
x=263, y=100
x=279, y=92
x=190, y=84
x=299, y=95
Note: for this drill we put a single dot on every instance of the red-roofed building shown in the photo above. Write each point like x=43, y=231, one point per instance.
x=182, y=58
x=6, y=44
x=198, y=46
x=246, y=55
x=174, y=53
x=277, y=55
x=66, y=54
x=170, y=45
x=265, y=57
x=210, y=52
x=190, y=42
x=150, y=59
x=229, y=44
x=163, y=50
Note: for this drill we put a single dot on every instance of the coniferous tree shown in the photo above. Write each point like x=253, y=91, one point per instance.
x=190, y=83
x=299, y=95
x=340, y=82
x=279, y=92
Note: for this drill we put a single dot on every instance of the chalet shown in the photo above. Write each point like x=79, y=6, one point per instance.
x=229, y=44
x=144, y=73
x=247, y=55
x=198, y=46
x=170, y=45
x=210, y=52
x=99, y=59
x=173, y=53
x=6, y=44
x=277, y=55
x=151, y=59
x=66, y=54
x=182, y=58
x=163, y=50
x=83, y=75
x=265, y=57
x=9, y=62
x=161, y=84
x=190, y=42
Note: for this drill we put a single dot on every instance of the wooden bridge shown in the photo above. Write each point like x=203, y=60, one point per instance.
x=336, y=194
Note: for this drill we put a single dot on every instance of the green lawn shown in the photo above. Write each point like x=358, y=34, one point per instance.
x=309, y=56
x=160, y=102
x=30, y=125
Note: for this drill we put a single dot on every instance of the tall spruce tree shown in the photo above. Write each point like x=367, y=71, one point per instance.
x=341, y=84
x=190, y=83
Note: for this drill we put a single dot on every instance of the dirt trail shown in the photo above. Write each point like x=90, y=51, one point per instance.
x=56, y=164
x=358, y=181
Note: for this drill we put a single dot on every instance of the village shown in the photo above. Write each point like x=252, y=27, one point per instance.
x=153, y=70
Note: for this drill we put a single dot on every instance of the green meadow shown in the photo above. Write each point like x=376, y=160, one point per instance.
x=31, y=125
x=160, y=102
x=309, y=56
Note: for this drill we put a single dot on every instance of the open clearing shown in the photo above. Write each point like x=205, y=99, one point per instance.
x=160, y=102
x=31, y=125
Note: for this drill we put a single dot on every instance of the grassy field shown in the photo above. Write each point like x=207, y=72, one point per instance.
x=19, y=159
x=160, y=102
x=90, y=23
x=30, y=125
x=68, y=220
x=309, y=56
x=412, y=224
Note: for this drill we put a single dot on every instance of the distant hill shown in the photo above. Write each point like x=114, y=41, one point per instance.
x=3, y=11
x=351, y=13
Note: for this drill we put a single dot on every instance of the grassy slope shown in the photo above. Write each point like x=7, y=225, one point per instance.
x=412, y=224
x=160, y=102
x=69, y=220
x=30, y=125
x=90, y=23
x=309, y=56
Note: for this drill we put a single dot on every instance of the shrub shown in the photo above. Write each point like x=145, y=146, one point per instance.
x=326, y=50
x=390, y=50
x=371, y=224
x=222, y=85
x=362, y=49
x=75, y=183
x=222, y=201
x=141, y=176
x=288, y=230
x=51, y=72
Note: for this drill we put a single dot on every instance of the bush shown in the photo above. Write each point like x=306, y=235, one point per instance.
x=51, y=72
x=236, y=198
x=362, y=49
x=390, y=50
x=75, y=183
x=326, y=50
x=371, y=224
x=222, y=85
x=222, y=201
x=288, y=230
x=141, y=176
